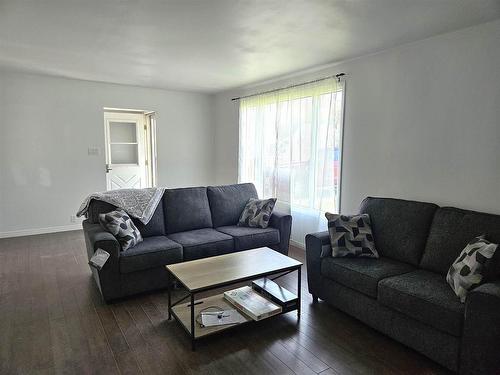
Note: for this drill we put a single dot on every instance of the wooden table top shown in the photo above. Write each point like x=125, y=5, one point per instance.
x=224, y=269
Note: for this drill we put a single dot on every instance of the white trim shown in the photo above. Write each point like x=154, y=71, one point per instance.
x=124, y=110
x=31, y=232
x=297, y=244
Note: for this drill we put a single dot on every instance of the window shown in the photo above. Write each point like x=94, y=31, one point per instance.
x=290, y=148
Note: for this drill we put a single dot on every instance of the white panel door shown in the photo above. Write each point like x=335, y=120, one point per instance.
x=125, y=151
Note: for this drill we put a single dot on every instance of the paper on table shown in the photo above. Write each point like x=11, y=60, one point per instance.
x=219, y=318
x=99, y=259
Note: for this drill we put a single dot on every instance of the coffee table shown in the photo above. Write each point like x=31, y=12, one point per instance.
x=207, y=274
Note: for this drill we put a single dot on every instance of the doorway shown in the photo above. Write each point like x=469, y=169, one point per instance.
x=130, y=143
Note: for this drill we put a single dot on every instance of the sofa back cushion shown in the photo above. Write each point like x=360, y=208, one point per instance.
x=155, y=226
x=227, y=202
x=400, y=227
x=451, y=230
x=186, y=209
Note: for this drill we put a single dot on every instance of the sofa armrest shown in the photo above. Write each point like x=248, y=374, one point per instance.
x=481, y=336
x=108, y=278
x=315, y=243
x=96, y=237
x=282, y=222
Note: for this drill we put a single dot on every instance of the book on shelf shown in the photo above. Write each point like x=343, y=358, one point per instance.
x=276, y=293
x=252, y=303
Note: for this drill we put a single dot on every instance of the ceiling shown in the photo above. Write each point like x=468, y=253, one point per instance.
x=213, y=45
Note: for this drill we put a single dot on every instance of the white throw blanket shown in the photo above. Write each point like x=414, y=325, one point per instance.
x=138, y=203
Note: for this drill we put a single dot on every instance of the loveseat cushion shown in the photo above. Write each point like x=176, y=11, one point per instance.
x=362, y=274
x=451, y=230
x=150, y=253
x=400, y=227
x=186, y=209
x=155, y=226
x=248, y=238
x=469, y=269
x=424, y=296
x=202, y=243
x=227, y=202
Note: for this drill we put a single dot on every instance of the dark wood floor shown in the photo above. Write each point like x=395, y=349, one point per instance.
x=52, y=320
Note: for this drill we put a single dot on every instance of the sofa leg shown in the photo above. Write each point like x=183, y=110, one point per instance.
x=315, y=298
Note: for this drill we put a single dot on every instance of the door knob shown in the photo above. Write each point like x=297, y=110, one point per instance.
x=108, y=168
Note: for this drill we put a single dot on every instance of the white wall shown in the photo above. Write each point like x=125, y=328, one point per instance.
x=422, y=122
x=47, y=125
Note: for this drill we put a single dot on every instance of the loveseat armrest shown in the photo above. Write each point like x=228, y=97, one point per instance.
x=315, y=243
x=108, y=278
x=481, y=336
x=282, y=222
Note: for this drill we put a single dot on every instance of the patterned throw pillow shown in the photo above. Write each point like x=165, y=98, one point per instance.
x=468, y=270
x=119, y=224
x=257, y=213
x=351, y=236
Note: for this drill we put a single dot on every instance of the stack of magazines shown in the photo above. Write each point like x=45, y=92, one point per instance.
x=252, y=303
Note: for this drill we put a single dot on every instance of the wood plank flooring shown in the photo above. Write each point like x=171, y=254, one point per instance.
x=53, y=321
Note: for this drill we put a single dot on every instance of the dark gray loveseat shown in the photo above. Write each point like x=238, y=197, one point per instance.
x=189, y=223
x=404, y=293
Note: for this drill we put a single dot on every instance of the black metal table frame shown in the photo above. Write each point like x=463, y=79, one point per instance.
x=192, y=293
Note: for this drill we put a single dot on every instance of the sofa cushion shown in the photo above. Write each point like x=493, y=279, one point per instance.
x=257, y=213
x=153, y=252
x=201, y=243
x=451, y=230
x=351, y=236
x=186, y=209
x=362, y=274
x=400, y=227
x=248, y=238
x=97, y=207
x=120, y=225
x=426, y=297
x=155, y=226
x=227, y=202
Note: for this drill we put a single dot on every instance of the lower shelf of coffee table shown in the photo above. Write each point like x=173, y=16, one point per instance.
x=182, y=313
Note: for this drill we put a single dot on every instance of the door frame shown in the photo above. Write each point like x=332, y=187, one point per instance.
x=151, y=147
x=146, y=138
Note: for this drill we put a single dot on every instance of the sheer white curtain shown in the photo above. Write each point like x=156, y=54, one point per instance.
x=290, y=148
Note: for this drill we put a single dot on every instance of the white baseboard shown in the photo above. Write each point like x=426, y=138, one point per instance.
x=31, y=232
x=297, y=244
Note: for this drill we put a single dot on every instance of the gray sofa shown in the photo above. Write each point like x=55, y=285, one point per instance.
x=189, y=223
x=404, y=293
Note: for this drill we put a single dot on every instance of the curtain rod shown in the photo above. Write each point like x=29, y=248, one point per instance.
x=338, y=76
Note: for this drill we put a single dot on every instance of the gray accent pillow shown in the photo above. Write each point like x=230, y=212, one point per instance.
x=119, y=224
x=257, y=213
x=351, y=236
x=468, y=270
